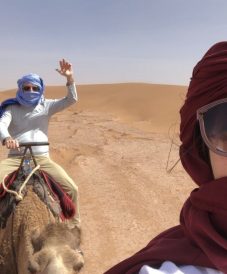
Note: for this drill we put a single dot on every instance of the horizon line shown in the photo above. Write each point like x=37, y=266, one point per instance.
x=110, y=83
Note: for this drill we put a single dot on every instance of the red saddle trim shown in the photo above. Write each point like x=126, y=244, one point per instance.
x=8, y=182
x=66, y=203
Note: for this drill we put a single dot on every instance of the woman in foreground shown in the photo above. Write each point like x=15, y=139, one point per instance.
x=199, y=244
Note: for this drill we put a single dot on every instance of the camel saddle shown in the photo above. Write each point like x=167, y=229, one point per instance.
x=46, y=189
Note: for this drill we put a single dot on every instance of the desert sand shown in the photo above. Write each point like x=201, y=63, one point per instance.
x=115, y=144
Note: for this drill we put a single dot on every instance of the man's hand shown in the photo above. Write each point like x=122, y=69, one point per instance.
x=10, y=143
x=66, y=70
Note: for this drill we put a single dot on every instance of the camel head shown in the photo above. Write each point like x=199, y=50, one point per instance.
x=56, y=250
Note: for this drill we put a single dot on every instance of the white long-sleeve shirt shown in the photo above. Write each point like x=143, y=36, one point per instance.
x=170, y=268
x=30, y=124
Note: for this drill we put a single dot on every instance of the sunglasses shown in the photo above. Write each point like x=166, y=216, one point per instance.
x=33, y=88
x=213, y=126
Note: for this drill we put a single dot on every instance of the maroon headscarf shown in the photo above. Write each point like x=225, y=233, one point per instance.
x=201, y=237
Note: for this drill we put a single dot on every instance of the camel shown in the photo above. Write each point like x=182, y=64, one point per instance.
x=34, y=242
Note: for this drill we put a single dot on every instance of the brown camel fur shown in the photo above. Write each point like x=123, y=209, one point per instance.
x=33, y=239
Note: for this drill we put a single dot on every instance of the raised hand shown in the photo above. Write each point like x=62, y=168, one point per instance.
x=65, y=69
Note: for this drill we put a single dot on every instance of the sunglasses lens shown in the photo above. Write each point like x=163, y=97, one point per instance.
x=28, y=88
x=215, y=124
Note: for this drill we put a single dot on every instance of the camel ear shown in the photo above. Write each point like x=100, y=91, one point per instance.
x=76, y=235
x=33, y=266
x=35, y=239
x=78, y=261
x=39, y=261
x=76, y=230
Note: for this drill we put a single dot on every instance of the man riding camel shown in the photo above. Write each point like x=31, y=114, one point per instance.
x=26, y=119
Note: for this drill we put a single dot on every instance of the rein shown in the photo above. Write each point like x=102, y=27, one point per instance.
x=18, y=194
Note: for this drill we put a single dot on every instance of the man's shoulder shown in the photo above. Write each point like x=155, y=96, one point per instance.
x=13, y=106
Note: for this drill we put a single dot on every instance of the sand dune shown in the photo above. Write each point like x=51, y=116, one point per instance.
x=114, y=143
x=155, y=104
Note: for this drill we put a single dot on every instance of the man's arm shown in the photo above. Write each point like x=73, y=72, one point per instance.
x=57, y=105
x=5, y=137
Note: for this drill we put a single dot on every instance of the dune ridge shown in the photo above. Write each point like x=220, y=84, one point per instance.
x=131, y=102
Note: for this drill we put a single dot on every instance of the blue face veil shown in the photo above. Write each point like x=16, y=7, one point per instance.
x=25, y=98
x=30, y=98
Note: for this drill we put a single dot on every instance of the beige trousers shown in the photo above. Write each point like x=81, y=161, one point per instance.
x=54, y=170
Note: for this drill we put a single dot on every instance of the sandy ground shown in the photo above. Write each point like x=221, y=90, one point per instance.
x=115, y=143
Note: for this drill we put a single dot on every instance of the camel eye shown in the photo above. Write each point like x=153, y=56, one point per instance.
x=37, y=243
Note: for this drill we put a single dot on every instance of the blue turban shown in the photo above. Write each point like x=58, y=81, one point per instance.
x=25, y=98
x=30, y=98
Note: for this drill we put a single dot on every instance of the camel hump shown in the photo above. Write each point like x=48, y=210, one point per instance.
x=47, y=189
x=8, y=201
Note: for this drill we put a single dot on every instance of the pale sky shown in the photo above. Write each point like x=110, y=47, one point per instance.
x=108, y=41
